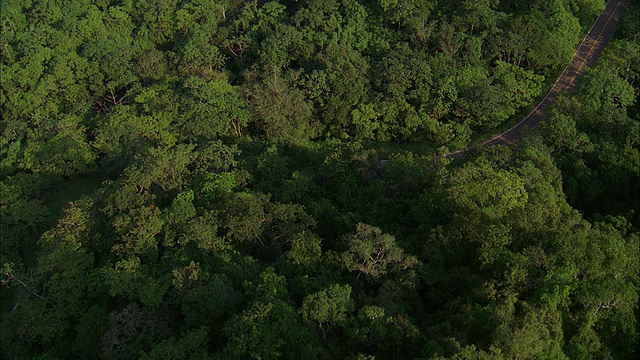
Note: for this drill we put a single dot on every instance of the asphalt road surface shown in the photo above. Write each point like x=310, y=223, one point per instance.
x=586, y=55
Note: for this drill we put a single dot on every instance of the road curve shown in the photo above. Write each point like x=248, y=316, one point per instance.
x=586, y=55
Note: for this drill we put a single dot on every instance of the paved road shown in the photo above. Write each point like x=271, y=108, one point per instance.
x=586, y=55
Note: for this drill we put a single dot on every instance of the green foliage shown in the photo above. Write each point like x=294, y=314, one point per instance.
x=305, y=248
x=131, y=280
x=481, y=188
x=132, y=330
x=22, y=214
x=372, y=253
x=328, y=307
x=191, y=346
x=51, y=296
x=282, y=112
x=601, y=166
x=270, y=327
x=238, y=208
x=214, y=109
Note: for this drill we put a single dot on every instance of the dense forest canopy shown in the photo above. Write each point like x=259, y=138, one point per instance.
x=192, y=180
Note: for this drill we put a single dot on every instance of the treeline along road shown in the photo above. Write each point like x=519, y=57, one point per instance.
x=586, y=55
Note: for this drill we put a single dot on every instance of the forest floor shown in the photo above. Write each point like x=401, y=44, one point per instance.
x=586, y=55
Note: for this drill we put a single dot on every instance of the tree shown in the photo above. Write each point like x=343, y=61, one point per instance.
x=345, y=72
x=520, y=85
x=560, y=34
x=601, y=89
x=372, y=253
x=605, y=291
x=328, y=307
x=282, y=112
x=132, y=330
x=270, y=326
x=192, y=345
x=122, y=133
x=480, y=187
x=214, y=109
x=22, y=215
x=66, y=153
x=209, y=300
x=481, y=15
x=53, y=295
x=305, y=249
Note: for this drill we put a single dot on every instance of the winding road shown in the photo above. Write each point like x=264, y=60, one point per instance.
x=586, y=55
